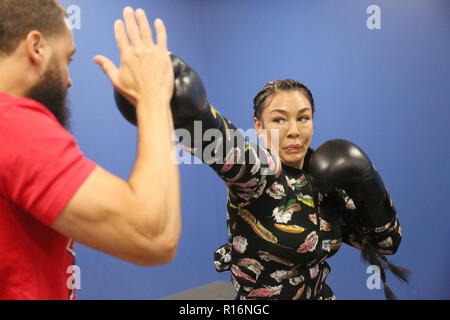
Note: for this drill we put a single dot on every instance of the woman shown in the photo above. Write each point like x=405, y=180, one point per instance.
x=279, y=234
x=281, y=230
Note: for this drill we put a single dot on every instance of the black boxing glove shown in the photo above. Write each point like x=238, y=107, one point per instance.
x=188, y=104
x=339, y=164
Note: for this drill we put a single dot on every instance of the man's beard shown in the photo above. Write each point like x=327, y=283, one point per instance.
x=52, y=93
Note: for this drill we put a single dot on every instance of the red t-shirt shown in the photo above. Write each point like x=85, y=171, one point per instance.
x=41, y=168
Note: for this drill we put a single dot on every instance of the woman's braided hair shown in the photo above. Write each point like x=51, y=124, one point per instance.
x=276, y=86
x=371, y=255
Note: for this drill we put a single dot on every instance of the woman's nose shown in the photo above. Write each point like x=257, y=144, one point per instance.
x=293, y=130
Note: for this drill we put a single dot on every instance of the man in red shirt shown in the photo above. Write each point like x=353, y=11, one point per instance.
x=52, y=195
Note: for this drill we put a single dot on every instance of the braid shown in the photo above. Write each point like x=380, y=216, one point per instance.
x=370, y=254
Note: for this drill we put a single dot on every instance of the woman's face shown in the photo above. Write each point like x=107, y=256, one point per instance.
x=290, y=114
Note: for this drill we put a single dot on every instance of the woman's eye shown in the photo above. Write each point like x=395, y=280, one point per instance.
x=303, y=119
x=278, y=120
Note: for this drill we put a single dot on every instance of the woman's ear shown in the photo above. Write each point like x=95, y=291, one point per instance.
x=258, y=127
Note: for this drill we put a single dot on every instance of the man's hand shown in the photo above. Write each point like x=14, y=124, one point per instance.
x=146, y=70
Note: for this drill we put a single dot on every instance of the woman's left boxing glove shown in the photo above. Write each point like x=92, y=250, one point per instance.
x=340, y=164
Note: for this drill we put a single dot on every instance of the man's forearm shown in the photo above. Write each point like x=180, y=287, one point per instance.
x=155, y=177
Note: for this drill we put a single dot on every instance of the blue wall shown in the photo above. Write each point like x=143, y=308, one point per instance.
x=386, y=90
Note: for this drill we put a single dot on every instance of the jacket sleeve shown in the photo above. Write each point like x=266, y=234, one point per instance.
x=247, y=168
x=386, y=238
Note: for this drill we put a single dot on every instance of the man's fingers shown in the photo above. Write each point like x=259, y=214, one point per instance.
x=121, y=37
x=108, y=68
x=146, y=31
x=132, y=27
x=161, y=33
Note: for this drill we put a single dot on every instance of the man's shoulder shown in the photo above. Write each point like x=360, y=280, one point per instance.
x=25, y=114
x=11, y=104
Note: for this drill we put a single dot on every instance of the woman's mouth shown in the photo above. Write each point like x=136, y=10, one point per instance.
x=293, y=148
